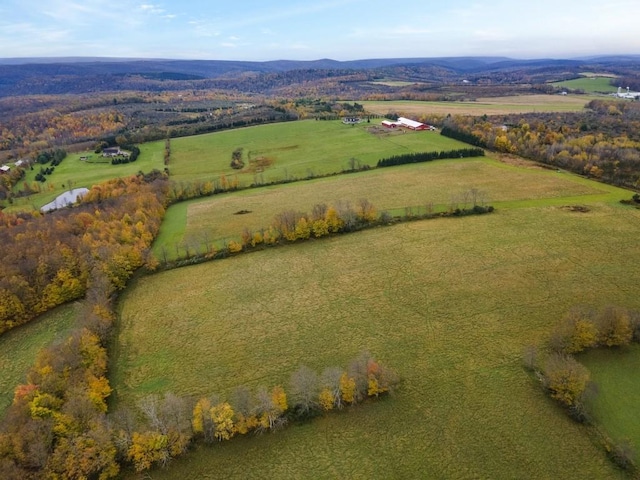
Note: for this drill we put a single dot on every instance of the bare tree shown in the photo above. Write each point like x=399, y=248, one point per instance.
x=304, y=389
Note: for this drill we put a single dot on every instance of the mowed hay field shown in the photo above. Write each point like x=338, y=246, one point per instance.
x=438, y=183
x=296, y=149
x=449, y=303
x=483, y=106
x=20, y=346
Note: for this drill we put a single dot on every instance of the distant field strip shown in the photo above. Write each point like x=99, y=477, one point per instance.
x=484, y=106
x=438, y=184
x=590, y=84
x=449, y=303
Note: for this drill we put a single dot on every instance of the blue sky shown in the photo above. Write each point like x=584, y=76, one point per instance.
x=308, y=30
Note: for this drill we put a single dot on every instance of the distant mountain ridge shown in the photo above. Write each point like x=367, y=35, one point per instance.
x=217, y=68
x=28, y=76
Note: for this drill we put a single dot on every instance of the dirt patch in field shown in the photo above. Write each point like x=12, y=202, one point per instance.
x=259, y=164
x=380, y=131
x=576, y=208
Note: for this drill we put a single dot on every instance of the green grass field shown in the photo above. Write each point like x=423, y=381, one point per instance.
x=589, y=84
x=297, y=149
x=439, y=183
x=616, y=407
x=76, y=173
x=19, y=347
x=449, y=303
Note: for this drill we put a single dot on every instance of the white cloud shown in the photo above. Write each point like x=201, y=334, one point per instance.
x=151, y=8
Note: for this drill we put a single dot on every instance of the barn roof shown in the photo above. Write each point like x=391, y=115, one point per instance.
x=410, y=123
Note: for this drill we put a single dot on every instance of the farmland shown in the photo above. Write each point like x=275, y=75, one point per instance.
x=439, y=185
x=589, y=84
x=452, y=303
x=449, y=303
x=484, y=106
x=295, y=149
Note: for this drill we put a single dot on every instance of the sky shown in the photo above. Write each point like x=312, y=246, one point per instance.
x=315, y=29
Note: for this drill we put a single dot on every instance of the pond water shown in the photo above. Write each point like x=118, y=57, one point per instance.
x=64, y=199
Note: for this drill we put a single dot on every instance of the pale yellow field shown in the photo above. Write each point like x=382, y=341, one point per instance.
x=485, y=106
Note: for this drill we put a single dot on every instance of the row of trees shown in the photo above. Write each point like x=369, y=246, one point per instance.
x=567, y=380
x=170, y=424
x=323, y=220
x=58, y=427
x=429, y=156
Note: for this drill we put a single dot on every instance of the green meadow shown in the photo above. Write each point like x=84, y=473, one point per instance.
x=295, y=150
x=589, y=84
x=19, y=347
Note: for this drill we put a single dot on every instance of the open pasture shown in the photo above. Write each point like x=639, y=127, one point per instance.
x=439, y=184
x=19, y=347
x=449, y=303
x=295, y=149
x=76, y=173
x=482, y=106
x=616, y=372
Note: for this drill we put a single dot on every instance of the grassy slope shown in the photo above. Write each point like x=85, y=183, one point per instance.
x=617, y=373
x=19, y=347
x=390, y=189
x=449, y=303
x=297, y=148
x=83, y=174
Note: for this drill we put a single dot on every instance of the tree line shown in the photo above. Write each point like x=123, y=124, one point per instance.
x=567, y=381
x=429, y=156
x=324, y=220
x=171, y=424
x=602, y=143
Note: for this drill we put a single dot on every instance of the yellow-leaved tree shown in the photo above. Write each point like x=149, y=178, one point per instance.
x=347, y=388
x=566, y=378
x=222, y=418
x=148, y=448
x=325, y=399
